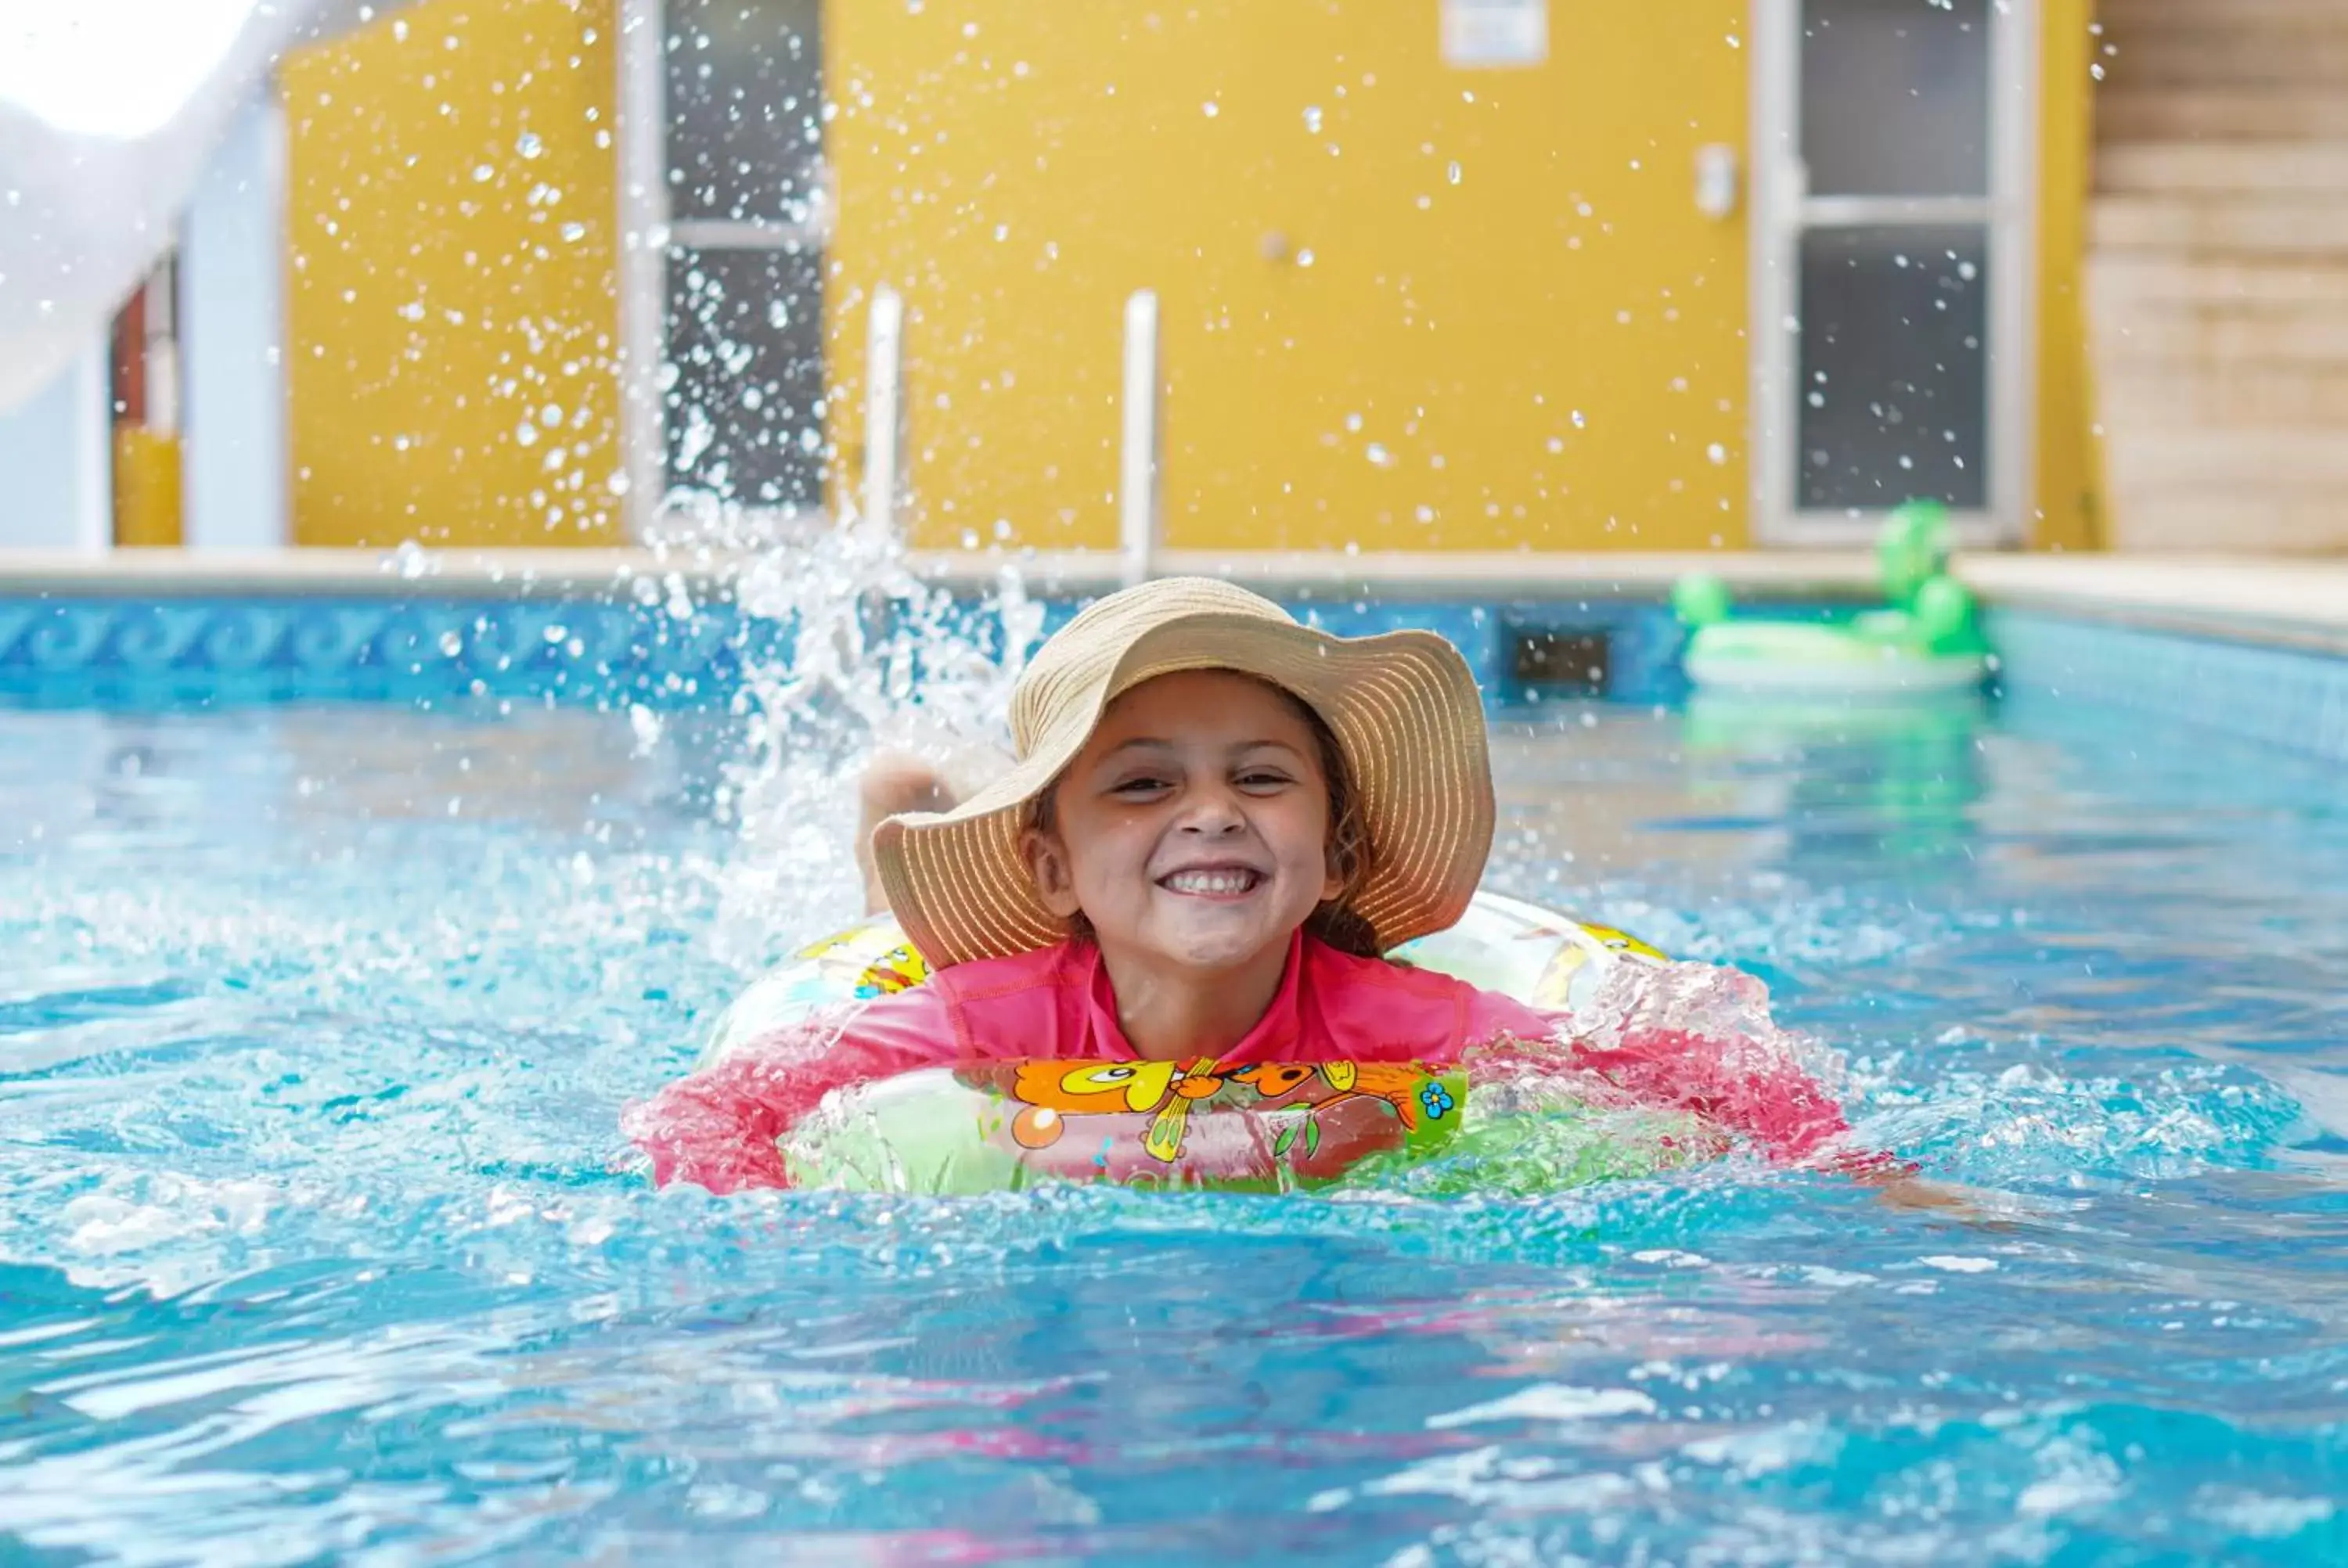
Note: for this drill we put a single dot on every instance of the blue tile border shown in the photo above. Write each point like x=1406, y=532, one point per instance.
x=2291, y=699
x=428, y=649
x=207, y=651
x=62, y=651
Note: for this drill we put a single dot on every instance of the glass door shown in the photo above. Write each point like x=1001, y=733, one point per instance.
x=1892, y=264
x=729, y=209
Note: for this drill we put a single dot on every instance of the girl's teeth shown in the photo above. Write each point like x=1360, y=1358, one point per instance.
x=1211, y=881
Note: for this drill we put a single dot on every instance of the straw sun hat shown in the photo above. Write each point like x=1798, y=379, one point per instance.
x=1403, y=707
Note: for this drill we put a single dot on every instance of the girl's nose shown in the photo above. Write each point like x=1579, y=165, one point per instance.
x=1212, y=811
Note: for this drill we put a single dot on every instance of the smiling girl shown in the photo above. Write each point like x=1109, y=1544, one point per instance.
x=1218, y=821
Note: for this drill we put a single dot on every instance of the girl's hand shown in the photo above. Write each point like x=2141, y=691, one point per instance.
x=1904, y=1192
x=1974, y=1205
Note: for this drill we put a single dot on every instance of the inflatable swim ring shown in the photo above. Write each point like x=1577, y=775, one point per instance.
x=1259, y=1127
x=1268, y=1127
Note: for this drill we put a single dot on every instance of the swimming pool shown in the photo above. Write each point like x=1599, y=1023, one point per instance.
x=316, y=1238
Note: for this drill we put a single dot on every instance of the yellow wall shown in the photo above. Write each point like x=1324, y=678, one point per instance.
x=2068, y=513
x=1017, y=169
x=451, y=322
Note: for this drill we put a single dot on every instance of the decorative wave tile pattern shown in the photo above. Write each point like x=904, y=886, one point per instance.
x=74, y=652
x=63, y=650
x=68, y=651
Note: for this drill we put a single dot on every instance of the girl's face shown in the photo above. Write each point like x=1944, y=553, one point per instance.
x=1193, y=828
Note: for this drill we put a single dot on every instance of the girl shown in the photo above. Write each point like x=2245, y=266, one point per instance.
x=1217, y=822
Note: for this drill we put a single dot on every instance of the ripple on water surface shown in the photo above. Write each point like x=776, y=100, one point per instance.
x=316, y=1238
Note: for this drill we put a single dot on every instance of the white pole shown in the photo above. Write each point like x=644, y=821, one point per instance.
x=643, y=265
x=883, y=407
x=160, y=367
x=1137, y=489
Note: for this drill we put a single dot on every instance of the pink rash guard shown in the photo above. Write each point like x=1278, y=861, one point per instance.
x=717, y=1128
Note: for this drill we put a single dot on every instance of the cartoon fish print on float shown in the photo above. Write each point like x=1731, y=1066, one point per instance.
x=900, y=968
x=1051, y=1091
x=1584, y=944
x=878, y=970
x=1396, y=1083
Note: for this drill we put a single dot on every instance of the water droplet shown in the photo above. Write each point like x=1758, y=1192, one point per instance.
x=1313, y=118
x=1211, y=108
x=484, y=172
x=529, y=145
x=1379, y=456
x=1717, y=453
x=1452, y=173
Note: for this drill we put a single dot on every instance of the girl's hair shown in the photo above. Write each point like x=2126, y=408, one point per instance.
x=1351, y=853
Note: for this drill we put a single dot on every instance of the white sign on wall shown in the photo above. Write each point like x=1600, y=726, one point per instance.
x=1483, y=35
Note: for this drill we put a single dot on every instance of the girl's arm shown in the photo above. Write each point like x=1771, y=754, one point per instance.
x=1756, y=1091
x=717, y=1129
x=1740, y=1072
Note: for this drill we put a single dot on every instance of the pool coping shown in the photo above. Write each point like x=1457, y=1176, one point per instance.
x=2290, y=602
x=1461, y=575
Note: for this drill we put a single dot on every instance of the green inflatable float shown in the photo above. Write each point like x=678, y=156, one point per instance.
x=1924, y=641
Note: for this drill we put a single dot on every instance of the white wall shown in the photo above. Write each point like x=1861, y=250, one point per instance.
x=56, y=461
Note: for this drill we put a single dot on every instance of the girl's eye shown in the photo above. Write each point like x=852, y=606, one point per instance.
x=1264, y=778
x=1141, y=786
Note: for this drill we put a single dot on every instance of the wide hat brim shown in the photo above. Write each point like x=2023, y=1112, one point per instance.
x=1403, y=706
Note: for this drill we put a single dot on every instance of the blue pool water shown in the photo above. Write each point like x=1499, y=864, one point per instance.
x=316, y=1239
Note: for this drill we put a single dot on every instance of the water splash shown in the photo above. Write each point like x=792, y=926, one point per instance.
x=874, y=659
